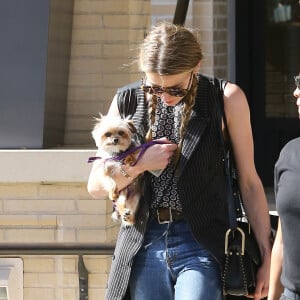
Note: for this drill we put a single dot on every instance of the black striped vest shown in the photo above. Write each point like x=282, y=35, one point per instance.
x=201, y=180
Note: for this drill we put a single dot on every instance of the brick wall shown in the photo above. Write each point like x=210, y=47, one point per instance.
x=43, y=199
x=105, y=40
x=163, y=10
x=57, y=212
x=220, y=50
x=56, y=277
x=210, y=18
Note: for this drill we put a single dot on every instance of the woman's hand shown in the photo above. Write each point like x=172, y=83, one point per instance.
x=157, y=156
x=262, y=280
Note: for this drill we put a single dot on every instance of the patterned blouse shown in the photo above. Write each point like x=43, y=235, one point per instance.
x=167, y=124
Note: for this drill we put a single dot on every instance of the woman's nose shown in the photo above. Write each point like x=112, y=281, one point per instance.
x=165, y=96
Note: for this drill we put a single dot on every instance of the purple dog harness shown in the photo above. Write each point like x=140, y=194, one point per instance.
x=121, y=156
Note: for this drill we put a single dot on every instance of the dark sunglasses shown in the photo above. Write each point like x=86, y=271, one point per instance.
x=158, y=90
x=297, y=81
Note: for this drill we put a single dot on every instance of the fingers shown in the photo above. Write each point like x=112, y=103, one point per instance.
x=166, y=141
x=159, y=155
x=168, y=147
x=171, y=148
x=264, y=292
x=261, y=292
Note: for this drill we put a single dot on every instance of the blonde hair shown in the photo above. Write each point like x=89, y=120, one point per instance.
x=170, y=49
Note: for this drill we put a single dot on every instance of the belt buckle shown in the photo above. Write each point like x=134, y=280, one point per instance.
x=165, y=222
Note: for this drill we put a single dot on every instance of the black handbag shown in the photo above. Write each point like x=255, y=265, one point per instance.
x=242, y=260
x=242, y=255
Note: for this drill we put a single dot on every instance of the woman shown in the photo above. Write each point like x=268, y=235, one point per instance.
x=176, y=248
x=285, y=274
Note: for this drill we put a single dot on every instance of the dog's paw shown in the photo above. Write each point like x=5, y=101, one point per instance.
x=128, y=217
x=127, y=214
x=129, y=159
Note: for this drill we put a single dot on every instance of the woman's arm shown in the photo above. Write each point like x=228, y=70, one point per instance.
x=155, y=157
x=254, y=199
x=276, y=288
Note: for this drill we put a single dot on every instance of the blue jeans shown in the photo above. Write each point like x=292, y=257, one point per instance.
x=171, y=264
x=289, y=295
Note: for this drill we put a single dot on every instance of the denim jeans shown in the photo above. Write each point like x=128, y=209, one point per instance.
x=288, y=295
x=171, y=264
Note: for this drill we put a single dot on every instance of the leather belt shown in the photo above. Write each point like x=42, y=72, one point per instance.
x=291, y=294
x=166, y=214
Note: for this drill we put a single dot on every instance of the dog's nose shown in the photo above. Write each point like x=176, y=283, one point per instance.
x=116, y=141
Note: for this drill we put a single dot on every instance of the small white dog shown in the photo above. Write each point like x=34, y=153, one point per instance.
x=113, y=136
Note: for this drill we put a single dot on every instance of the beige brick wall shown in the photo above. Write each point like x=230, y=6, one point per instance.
x=210, y=18
x=52, y=212
x=56, y=277
x=220, y=48
x=56, y=212
x=37, y=209
x=105, y=39
x=163, y=10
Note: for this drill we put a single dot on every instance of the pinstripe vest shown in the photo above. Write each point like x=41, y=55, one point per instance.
x=201, y=180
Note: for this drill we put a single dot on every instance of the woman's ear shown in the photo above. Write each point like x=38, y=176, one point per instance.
x=197, y=68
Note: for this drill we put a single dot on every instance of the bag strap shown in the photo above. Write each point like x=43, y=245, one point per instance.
x=234, y=204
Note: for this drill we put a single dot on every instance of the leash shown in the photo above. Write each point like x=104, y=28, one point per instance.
x=121, y=156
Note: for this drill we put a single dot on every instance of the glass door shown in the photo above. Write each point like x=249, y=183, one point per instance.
x=282, y=30
x=267, y=59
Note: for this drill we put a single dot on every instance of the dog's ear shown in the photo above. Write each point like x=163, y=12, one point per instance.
x=130, y=125
x=96, y=134
x=96, y=130
x=98, y=120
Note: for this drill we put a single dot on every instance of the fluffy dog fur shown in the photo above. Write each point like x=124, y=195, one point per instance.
x=114, y=135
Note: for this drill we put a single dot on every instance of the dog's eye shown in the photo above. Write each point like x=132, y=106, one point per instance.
x=121, y=133
x=108, y=134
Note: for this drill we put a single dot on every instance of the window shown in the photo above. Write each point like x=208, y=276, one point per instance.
x=282, y=56
x=3, y=293
x=11, y=278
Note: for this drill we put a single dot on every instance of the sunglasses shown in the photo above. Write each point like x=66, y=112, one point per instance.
x=297, y=81
x=172, y=91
